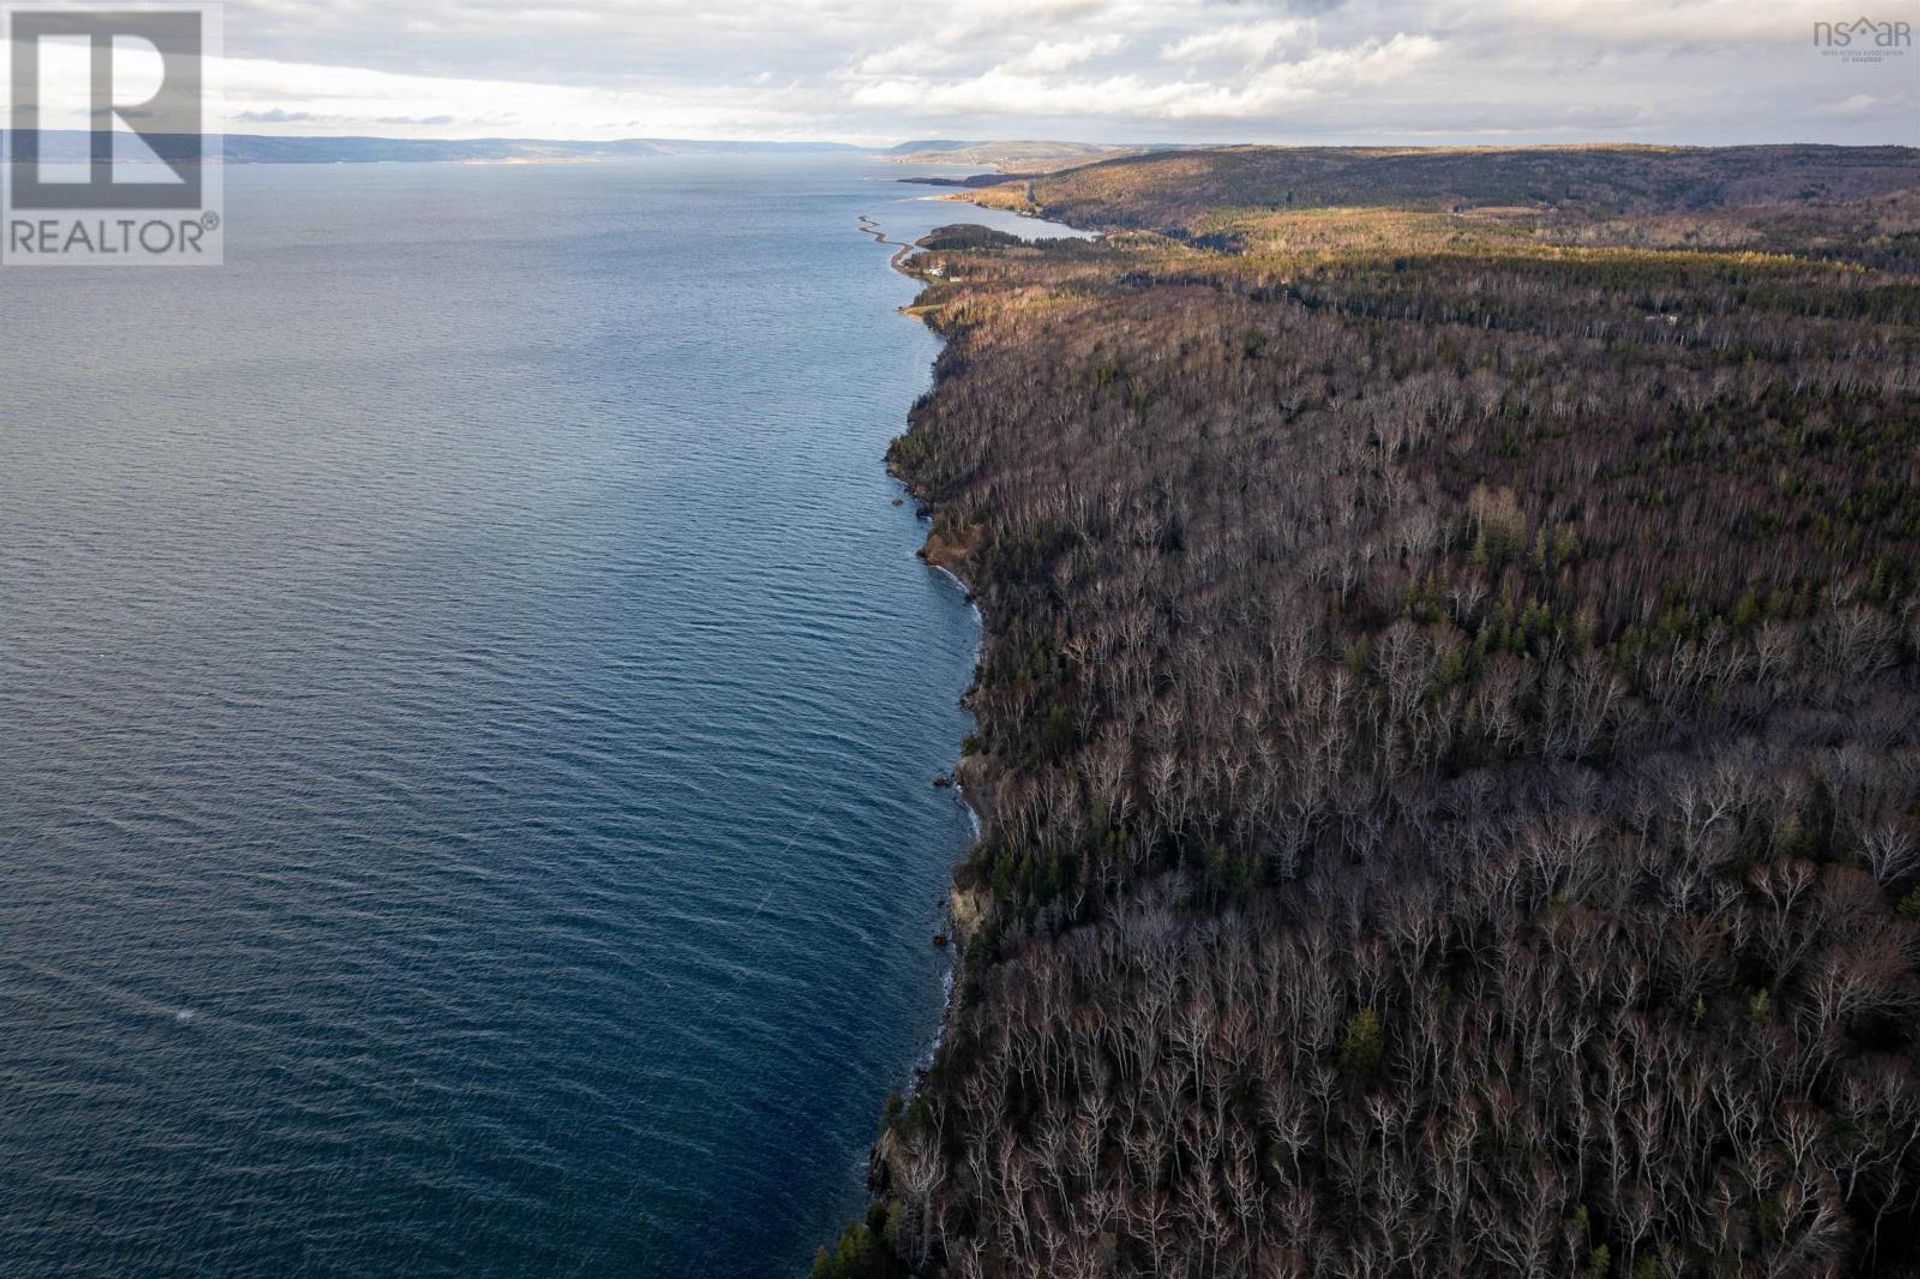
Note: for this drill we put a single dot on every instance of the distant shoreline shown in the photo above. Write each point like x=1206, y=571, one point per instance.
x=936, y=557
x=963, y=913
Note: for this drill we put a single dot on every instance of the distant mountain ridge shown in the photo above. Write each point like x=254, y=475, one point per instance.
x=1180, y=190
x=1029, y=156
x=72, y=146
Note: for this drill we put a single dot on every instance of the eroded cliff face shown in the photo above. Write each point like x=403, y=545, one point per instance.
x=949, y=544
x=968, y=909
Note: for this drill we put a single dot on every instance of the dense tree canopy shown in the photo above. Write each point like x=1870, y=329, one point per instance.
x=1449, y=724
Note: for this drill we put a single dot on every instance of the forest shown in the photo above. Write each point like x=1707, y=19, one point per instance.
x=1448, y=721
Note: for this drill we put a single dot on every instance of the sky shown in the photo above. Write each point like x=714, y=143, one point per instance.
x=871, y=72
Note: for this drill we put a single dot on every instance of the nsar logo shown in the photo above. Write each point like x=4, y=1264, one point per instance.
x=1863, y=39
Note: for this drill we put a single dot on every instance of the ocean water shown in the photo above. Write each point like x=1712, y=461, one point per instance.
x=467, y=709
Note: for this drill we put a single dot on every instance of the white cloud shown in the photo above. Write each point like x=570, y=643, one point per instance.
x=1330, y=72
x=1057, y=55
x=1002, y=91
x=913, y=56
x=1246, y=42
x=1615, y=22
x=1861, y=106
x=1113, y=70
x=342, y=100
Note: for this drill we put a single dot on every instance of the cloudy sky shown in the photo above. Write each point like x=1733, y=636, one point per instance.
x=1417, y=71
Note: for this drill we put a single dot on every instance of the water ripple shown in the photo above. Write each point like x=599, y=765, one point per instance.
x=466, y=707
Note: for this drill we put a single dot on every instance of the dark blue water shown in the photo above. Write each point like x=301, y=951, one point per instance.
x=467, y=704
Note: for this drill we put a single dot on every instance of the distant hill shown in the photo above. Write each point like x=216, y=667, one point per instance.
x=1180, y=189
x=266, y=149
x=1021, y=156
x=263, y=149
x=71, y=146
